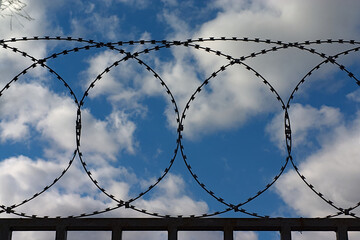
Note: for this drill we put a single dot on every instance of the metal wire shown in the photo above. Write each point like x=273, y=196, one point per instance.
x=180, y=118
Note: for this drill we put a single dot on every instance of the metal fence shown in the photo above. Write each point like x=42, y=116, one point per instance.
x=173, y=225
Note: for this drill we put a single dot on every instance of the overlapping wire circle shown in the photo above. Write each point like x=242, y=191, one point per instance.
x=154, y=45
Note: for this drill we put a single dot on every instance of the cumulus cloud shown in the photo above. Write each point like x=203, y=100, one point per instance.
x=33, y=175
x=106, y=26
x=170, y=197
x=266, y=18
x=354, y=96
x=240, y=90
x=332, y=170
x=75, y=194
x=108, y=137
x=304, y=120
x=51, y=114
x=31, y=111
x=111, y=82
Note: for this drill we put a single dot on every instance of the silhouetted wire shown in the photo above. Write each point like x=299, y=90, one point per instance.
x=158, y=45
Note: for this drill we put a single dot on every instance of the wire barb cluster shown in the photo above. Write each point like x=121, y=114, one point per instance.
x=155, y=45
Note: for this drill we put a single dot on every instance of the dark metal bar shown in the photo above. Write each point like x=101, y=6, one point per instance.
x=172, y=233
x=228, y=233
x=285, y=233
x=116, y=234
x=181, y=224
x=341, y=233
x=61, y=233
x=5, y=233
x=173, y=225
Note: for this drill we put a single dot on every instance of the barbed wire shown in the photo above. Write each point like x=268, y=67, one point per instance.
x=14, y=8
x=157, y=45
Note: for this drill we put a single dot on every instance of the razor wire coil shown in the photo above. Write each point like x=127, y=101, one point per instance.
x=180, y=118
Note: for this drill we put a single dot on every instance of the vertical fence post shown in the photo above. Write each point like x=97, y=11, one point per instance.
x=61, y=233
x=116, y=234
x=5, y=233
x=172, y=233
x=341, y=233
x=285, y=233
x=228, y=233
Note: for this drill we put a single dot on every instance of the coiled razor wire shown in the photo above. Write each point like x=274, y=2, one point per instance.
x=156, y=45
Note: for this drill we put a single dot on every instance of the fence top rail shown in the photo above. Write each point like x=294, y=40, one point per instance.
x=164, y=224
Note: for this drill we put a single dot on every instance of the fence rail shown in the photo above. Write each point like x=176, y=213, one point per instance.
x=172, y=225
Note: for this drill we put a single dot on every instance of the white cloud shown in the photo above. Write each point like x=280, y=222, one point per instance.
x=13, y=63
x=75, y=193
x=245, y=235
x=105, y=26
x=60, y=119
x=110, y=83
x=125, y=85
x=354, y=96
x=333, y=170
x=304, y=120
x=271, y=18
x=31, y=106
x=124, y=91
x=232, y=102
x=109, y=137
x=170, y=197
x=30, y=113
x=51, y=114
x=181, y=28
x=24, y=176
x=180, y=76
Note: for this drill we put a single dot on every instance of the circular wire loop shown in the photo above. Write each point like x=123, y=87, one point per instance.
x=83, y=162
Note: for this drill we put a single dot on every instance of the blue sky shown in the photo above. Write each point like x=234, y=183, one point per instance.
x=233, y=134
